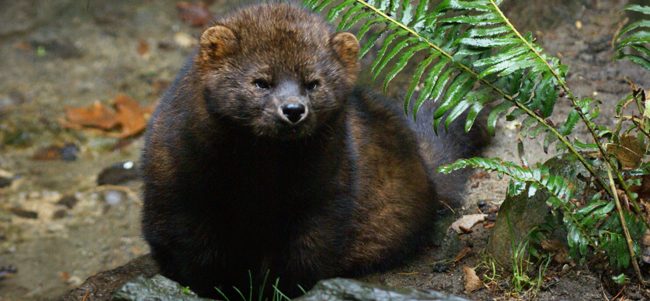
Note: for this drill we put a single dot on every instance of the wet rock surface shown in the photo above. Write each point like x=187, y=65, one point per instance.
x=340, y=289
x=156, y=288
x=103, y=285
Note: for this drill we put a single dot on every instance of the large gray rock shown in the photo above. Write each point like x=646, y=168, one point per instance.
x=156, y=288
x=159, y=288
x=103, y=285
x=340, y=289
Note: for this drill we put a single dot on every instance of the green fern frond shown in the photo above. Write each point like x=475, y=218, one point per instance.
x=581, y=225
x=476, y=44
x=638, y=39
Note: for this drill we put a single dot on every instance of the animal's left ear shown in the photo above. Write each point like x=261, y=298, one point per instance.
x=346, y=48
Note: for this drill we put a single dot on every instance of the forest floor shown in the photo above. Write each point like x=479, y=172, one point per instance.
x=58, y=227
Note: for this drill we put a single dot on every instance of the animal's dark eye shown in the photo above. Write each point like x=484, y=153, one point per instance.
x=261, y=84
x=311, y=86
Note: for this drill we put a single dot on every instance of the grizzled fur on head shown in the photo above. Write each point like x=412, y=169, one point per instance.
x=251, y=70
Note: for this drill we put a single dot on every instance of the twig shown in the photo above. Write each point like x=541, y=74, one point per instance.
x=623, y=224
x=604, y=294
x=619, y=292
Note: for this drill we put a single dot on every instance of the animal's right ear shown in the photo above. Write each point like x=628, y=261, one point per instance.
x=217, y=42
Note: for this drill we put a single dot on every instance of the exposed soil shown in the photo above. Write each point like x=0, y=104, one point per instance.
x=62, y=53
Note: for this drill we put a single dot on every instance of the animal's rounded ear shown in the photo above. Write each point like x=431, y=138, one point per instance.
x=346, y=48
x=217, y=42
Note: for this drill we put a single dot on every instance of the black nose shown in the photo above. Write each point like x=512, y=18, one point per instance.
x=294, y=111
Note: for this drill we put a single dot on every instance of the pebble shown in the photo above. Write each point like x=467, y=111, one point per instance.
x=112, y=197
x=68, y=200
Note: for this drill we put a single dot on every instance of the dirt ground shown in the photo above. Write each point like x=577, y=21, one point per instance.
x=60, y=53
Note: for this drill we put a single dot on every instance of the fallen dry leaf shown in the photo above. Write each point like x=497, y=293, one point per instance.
x=131, y=115
x=559, y=249
x=472, y=282
x=467, y=221
x=629, y=152
x=462, y=254
x=97, y=115
x=143, y=47
x=128, y=119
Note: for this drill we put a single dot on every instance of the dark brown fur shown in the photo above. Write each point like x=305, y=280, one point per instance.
x=232, y=186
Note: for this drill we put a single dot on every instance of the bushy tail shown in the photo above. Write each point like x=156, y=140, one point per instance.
x=448, y=146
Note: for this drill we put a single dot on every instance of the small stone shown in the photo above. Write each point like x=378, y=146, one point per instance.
x=184, y=40
x=113, y=197
x=118, y=173
x=59, y=214
x=4, y=182
x=69, y=152
x=68, y=200
x=24, y=213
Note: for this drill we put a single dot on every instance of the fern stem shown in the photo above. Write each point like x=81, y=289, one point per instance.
x=501, y=92
x=569, y=96
x=563, y=140
x=628, y=238
x=611, y=164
